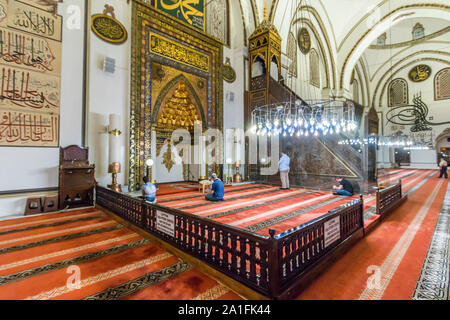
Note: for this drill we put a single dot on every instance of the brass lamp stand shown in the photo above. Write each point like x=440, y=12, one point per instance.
x=115, y=168
x=237, y=177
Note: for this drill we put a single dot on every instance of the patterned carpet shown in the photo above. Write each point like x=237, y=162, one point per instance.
x=258, y=208
x=42, y=257
x=406, y=257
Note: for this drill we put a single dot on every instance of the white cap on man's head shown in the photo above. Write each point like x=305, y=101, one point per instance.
x=214, y=176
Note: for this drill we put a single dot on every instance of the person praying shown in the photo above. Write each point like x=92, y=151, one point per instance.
x=148, y=191
x=443, y=165
x=343, y=188
x=283, y=165
x=217, y=191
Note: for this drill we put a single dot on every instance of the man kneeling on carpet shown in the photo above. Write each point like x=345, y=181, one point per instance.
x=343, y=188
x=148, y=191
x=217, y=190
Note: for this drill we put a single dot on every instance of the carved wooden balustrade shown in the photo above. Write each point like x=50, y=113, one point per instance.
x=269, y=265
x=389, y=198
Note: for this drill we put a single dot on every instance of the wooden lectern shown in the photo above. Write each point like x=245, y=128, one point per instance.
x=76, y=178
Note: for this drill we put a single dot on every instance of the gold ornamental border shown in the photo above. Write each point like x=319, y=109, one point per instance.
x=145, y=16
x=177, y=51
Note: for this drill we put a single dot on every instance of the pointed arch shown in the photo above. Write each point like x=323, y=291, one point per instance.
x=442, y=85
x=165, y=91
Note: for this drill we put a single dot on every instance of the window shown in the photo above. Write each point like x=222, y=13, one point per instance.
x=442, y=85
x=217, y=20
x=274, y=69
x=398, y=93
x=381, y=41
x=314, y=71
x=418, y=31
x=292, y=54
x=258, y=68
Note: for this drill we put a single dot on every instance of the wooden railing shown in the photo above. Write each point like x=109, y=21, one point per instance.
x=389, y=198
x=266, y=264
x=300, y=248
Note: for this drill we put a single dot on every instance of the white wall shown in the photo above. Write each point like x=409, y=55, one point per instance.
x=37, y=168
x=109, y=93
x=423, y=159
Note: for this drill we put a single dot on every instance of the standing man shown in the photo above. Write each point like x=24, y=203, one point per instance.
x=217, y=190
x=284, y=170
x=443, y=165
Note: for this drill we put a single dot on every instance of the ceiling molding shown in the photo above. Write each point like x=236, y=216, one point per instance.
x=412, y=6
x=321, y=48
x=397, y=71
x=325, y=35
x=402, y=51
x=411, y=42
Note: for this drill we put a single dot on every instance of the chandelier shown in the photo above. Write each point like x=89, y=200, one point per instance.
x=319, y=118
x=415, y=141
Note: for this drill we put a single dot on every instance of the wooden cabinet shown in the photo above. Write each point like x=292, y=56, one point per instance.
x=76, y=178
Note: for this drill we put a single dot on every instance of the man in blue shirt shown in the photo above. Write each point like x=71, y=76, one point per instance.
x=344, y=188
x=148, y=191
x=284, y=170
x=217, y=189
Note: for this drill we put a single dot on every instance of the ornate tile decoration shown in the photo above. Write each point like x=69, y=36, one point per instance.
x=159, y=38
x=434, y=280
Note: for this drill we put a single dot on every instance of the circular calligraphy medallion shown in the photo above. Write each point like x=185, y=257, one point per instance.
x=304, y=41
x=229, y=75
x=420, y=73
x=109, y=29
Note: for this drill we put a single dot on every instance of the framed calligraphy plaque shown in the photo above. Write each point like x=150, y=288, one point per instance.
x=24, y=17
x=30, y=70
x=304, y=41
x=191, y=12
x=229, y=75
x=108, y=28
x=420, y=73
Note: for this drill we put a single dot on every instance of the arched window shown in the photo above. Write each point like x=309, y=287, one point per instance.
x=356, y=91
x=314, y=71
x=398, y=93
x=258, y=67
x=217, y=20
x=292, y=54
x=381, y=41
x=274, y=69
x=418, y=31
x=442, y=85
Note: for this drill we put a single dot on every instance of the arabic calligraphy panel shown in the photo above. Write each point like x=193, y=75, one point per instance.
x=30, y=71
x=29, y=52
x=33, y=20
x=25, y=90
x=178, y=52
x=28, y=129
x=191, y=12
x=420, y=73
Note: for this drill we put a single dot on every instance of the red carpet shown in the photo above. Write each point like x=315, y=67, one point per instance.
x=39, y=256
x=387, y=263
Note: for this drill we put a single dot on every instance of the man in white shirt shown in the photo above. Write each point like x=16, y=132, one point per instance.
x=284, y=170
x=443, y=165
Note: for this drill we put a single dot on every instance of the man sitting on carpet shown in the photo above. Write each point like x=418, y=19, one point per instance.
x=148, y=191
x=344, y=188
x=217, y=190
